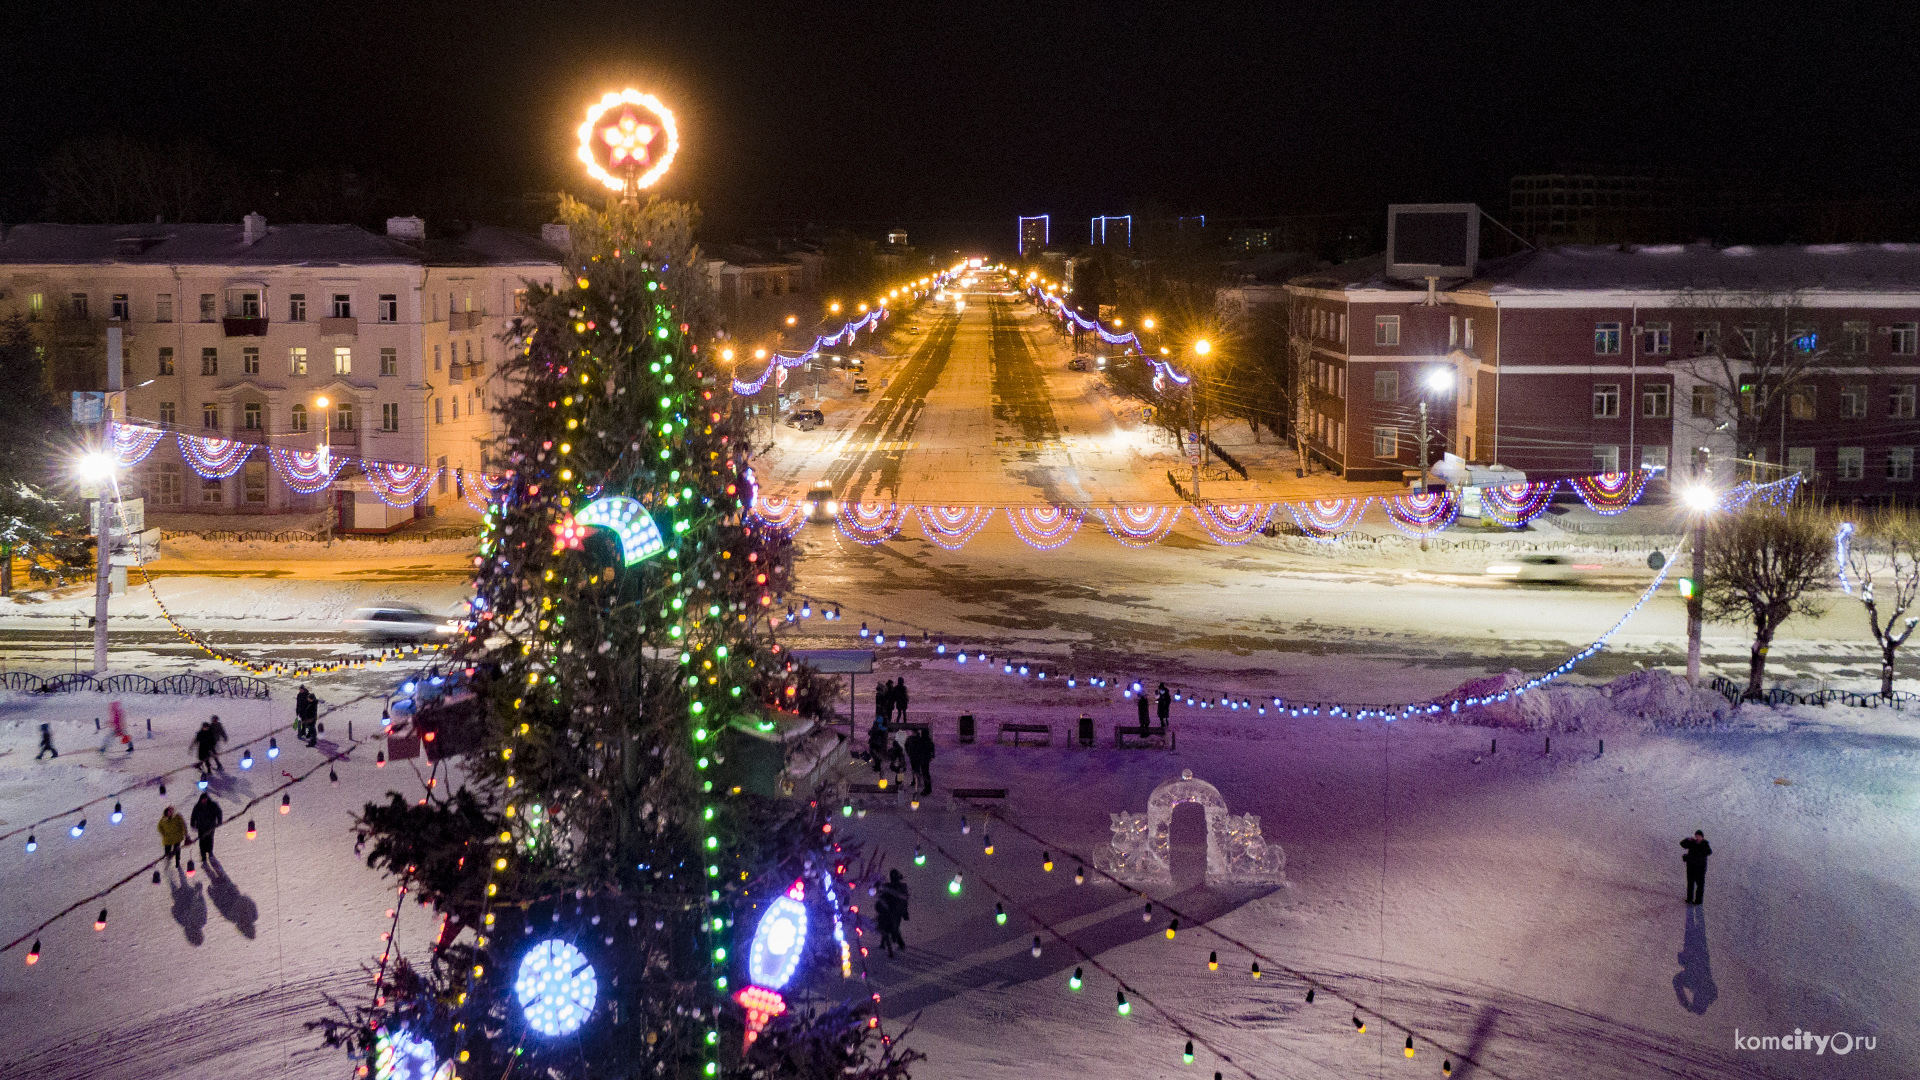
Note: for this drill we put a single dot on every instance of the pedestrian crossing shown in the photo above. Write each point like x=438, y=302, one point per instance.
x=873, y=447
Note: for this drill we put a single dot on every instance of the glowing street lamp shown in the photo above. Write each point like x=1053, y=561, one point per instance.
x=1701, y=499
x=628, y=140
x=1147, y=323
x=834, y=307
x=1437, y=381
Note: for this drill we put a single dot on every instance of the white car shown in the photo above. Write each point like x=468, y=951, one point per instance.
x=1558, y=569
x=400, y=624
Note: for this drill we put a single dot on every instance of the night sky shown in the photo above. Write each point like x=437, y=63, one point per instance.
x=951, y=118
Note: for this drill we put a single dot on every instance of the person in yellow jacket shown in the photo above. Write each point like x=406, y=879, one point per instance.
x=173, y=833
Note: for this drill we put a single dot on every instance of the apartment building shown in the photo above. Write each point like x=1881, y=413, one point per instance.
x=240, y=331
x=1578, y=359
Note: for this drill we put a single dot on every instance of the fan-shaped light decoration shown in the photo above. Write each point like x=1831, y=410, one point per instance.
x=398, y=484
x=402, y=1055
x=872, y=523
x=628, y=519
x=479, y=489
x=1610, y=493
x=1045, y=527
x=213, y=459
x=556, y=987
x=1232, y=523
x=1329, y=519
x=132, y=443
x=1139, y=526
x=781, y=514
x=952, y=526
x=1516, y=504
x=305, y=471
x=1422, y=514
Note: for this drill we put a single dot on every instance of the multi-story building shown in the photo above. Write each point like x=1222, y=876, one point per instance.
x=239, y=331
x=1579, y=359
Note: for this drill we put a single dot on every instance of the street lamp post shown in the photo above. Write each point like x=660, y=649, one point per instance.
x=1196, y=414
x=1701, y=499
x=323, y=452
x=1438, y=381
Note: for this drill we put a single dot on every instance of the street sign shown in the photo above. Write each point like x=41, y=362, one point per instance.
x=89, y=406
x=130, y=520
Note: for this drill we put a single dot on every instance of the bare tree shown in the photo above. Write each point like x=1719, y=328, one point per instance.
x=1762, y=564
x=1883, y=559
x=1754, y=353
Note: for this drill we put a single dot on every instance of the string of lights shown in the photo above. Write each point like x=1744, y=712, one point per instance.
x=848, y=332
x=1129, y=340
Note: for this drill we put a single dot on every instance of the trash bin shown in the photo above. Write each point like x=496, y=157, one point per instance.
x=966, y=727
x=1086, y=730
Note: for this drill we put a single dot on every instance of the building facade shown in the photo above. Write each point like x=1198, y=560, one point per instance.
x=1571, y=360
x=240, y=331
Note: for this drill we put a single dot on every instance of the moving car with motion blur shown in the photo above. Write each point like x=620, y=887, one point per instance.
x=806, y=419
x=1550, y=569
x=400, y=623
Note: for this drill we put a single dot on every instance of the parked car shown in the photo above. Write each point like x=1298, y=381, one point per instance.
x=399, y=623
x=1554, y=569
x=860, y=385
x=806, y=419
x=1078, y=363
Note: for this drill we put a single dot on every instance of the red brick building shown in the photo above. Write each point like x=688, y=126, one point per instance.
x=1579, y=359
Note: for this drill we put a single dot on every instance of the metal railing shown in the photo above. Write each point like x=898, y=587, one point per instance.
x=1736, y=692
x=231, y=686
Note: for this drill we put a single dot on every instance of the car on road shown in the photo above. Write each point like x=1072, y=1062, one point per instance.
x=1078, y=363
x=860, y=385
x=400, y=623
x=806, y=419
x=1549, y=569
x=821, y=505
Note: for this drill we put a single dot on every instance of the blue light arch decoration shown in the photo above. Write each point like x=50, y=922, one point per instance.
x=628, y=520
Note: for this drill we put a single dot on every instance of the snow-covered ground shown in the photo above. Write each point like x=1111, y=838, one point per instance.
x=1521, y=908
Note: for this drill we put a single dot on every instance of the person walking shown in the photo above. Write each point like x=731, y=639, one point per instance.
x=206, y=817
x=890, y=910
x=900, y=701
x=1697, y=850
x=877, y=744
x=117, y=727
x=306, y=714
x=206, y=744
x=1165, y=701
x=173, y=833
x=46, y=743
x=920, y=756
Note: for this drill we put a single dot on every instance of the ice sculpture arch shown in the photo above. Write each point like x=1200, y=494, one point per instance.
x=1236, y=852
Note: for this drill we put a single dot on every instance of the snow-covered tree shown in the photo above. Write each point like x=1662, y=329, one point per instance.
x=1883, y=561
x=1763, y=565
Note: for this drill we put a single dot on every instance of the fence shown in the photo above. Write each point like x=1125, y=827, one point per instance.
x=1735, y=693
x=448, y=532
x=232, y=686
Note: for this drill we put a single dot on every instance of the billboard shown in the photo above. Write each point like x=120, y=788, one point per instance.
x=1432, y=240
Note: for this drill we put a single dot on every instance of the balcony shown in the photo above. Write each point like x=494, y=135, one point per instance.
x=347, y=327
x=462, y=320
x=245, y=326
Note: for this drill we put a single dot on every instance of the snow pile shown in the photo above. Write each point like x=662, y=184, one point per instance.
x=1638, y=701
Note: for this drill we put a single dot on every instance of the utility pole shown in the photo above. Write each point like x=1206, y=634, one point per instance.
x=1423, y=444
x=1702, y=503
x=108, y=502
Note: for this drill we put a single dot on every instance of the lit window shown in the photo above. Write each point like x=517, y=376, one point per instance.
x=342, y=360
x=1706, y=401
x=36, y=306
x=1606, y=339
x=1800, y=403
x=166, y=360
x=296, y=361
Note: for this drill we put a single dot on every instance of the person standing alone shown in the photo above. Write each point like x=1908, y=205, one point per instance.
x=890, y=910
x=206, y=817
x=1697, y=850
x=1165, y=702
x=1141, y=701
x=173, y=833
x=306, y=715
x=920, y=755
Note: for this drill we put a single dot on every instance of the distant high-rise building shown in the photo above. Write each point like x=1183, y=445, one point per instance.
x=1109, y=230
x=1034, y=233
x=1250, y=241
x=896, y=238
x=1561, y=208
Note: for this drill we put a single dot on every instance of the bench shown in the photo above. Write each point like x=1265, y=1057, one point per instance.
x=1122, y=732
x=978, y=792
x=1017, y=730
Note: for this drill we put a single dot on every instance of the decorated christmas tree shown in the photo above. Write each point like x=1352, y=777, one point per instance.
x=606, y=858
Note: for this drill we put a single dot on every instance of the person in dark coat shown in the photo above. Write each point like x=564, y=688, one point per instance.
x=883, y=702
x=46, y=743
x=890, y=910
x=920, y=756
x=205, y=818
x=896, y=759
x=206, y=744
x=900, y=700
x=306, y=714
x=1165, y=700
x=877, y=744
x=1697, y=849
x=1142, y=702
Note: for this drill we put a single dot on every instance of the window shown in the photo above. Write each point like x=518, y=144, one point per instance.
x=390, y=416
x=1656, y=401
x=36, y=304
x=297, y=361
x=1467, y=387
x=1756, y=340
x=1900, y=463
x=120, y=308
x=439, y=411
x=297, y=419
x=1606, y=459
x=389, y=308
x=1900, y=402
x=206, y=307
x=210, y=361
x=1606, y=339
x=1386, y=329
x=166, y=360
x=1656, y=338
x=244, y=304
x=297, y=307
x=210, y=414
x=342, y=306
x=1386, y=442
x=1853, y=401
x=1854, y=336
x=1800, y=403
x=389, y=361
x=250, y=361
x=519, y=301
x=1466, y=334
x=253, y=481
x=210, y=492
x=1705, y=403
x=1386, y=386
x=1453, y=331
x=166, y=412
x=77, y=305
x=1800, y=460
x=1805, y=339
x=343, y=417
x=469, y=352
x=342, y=360
x=1653, y=459
x=456, y=407
x=1606, y=401
x=444, y=473
x=436, y=358
x=163, y=484
x=1851, y=463
x=1706, y=339
x=250, y=416
x=163, y=307
x=1906, y=338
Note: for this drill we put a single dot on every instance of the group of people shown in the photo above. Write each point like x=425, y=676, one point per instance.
x=205, y=817
x=1163, y=699
x=890, y=701
x=206, y=745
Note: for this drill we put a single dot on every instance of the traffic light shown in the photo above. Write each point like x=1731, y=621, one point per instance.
x=1686, y=588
